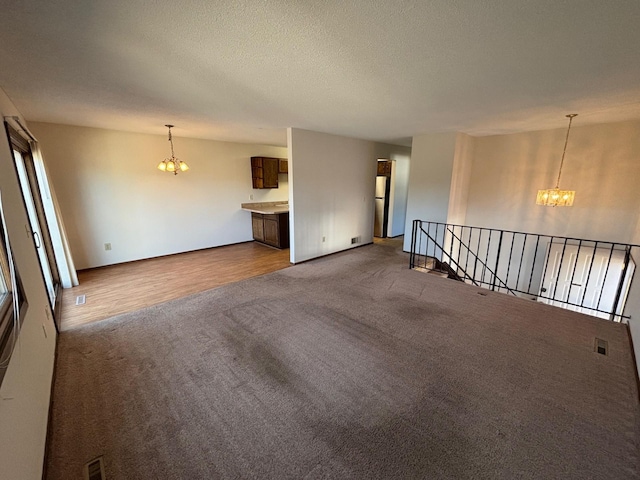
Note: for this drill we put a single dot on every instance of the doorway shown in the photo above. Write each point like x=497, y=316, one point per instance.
x=382, y=199
x=28, y=178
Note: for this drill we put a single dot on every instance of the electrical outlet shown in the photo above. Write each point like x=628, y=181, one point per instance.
x=107, y=246
x=251, y=197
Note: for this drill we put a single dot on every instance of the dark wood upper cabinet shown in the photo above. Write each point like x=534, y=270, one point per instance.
x=283, y=165
x=264, y=172
x=384, y=169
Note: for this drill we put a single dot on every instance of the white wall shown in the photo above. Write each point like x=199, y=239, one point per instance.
x=110, y=191
x=332, y=186
x=461, y=179
x=401, y=158
x=25, y=390
x=430, y=176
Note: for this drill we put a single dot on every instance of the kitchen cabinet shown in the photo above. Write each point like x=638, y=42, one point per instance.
x=257, y=225
x=271, y=228
x=283, y=165
x=264, y=172
x=384, y=168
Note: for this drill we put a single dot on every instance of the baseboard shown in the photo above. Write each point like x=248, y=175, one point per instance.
x=332, y=253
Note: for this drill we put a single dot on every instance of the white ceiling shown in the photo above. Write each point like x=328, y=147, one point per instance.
x=241, y=70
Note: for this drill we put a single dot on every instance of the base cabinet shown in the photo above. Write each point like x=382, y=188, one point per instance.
x=257, y=224
x=271, y=229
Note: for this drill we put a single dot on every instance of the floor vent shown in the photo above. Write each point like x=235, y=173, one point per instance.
x=482, y=293
x=94, y=470
x=601, y=346
x=81, y=299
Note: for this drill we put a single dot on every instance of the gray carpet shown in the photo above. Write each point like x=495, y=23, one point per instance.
x=350, y=366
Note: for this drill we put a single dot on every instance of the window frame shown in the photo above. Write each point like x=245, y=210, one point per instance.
x=9, y=327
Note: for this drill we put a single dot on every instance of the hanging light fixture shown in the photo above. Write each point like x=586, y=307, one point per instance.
x=554, y=197
x=172, y=164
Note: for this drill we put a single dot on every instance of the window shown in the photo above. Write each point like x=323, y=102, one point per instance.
x=11, y=300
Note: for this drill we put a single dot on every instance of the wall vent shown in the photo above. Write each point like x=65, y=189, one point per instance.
x=81, y=299
x=355, y=240
x=94, y=470
x=601, y=346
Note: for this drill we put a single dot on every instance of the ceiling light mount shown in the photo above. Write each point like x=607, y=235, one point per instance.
x=554, y=197
x=172, y=164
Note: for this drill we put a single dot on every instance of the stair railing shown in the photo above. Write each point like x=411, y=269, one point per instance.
x=451, y=260
x=562, y=271
x=496, y=281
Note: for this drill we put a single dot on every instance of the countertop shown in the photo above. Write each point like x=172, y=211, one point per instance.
x=266, y=208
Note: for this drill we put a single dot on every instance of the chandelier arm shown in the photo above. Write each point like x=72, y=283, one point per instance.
x=566, y=141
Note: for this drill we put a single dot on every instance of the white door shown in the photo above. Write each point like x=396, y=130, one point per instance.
x=35, y=227
x=582, y=279
x=378, y=220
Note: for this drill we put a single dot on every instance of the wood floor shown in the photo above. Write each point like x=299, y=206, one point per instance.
x=130, y=286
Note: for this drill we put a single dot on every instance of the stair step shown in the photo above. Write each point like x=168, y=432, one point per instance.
x=435, y=267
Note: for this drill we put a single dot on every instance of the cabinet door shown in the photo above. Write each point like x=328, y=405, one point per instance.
x=257, y=172
x=271, y=230
x=257, y=225
x=270, y=170
x=283, y=165
x=384, y=169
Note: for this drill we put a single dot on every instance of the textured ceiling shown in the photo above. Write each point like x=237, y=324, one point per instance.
x=381, y=70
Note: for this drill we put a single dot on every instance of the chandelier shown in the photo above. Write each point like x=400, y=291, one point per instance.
x=172, y=164
x=554, y=197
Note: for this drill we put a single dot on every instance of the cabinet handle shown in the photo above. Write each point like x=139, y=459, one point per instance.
x=36, y=239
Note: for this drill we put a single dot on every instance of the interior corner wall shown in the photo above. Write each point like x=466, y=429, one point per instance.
x=401, y=157
x=110, y=191
x=25, y=390
x=632, y=307
x=430, y=175
x=460, y=179
x=332, y=188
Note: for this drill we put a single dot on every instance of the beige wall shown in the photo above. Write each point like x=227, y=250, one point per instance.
x=461, y=179
x=110, y=191
x=602, y=165
x=332, y=191
x=430, y=175
x=25, y=390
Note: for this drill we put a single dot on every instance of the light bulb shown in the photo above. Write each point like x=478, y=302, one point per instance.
x=162, y=166
x=183, y=167
x=171, y=166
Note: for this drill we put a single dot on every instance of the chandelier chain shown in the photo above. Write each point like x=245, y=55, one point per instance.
x=171, y=142
x=566, y=140
x=172, y=164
